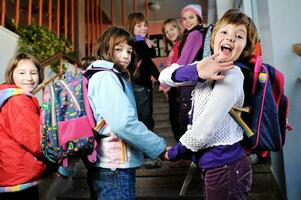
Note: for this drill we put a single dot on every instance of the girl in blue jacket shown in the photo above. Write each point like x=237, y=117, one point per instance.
x=124, y=139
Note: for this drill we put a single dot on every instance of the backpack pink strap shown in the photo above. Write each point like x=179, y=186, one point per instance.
x=91, y=157
x=278, y=86
x=257, y=70
x=86, y=102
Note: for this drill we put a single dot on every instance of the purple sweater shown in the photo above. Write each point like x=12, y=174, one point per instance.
x=207, y=158
x=192, y=45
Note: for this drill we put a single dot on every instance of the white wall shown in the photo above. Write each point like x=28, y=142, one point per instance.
x=8, y=47
x=279, y=25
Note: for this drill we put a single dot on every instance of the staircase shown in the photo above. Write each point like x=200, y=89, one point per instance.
x=165, y=183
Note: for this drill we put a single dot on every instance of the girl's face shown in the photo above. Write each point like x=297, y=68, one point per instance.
x=26, y=75
x=190, y=20
x=123, y=54
x=141, y=29
x=171, y=32
x=230, y=40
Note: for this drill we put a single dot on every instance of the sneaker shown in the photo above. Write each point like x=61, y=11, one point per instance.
x=253, y=158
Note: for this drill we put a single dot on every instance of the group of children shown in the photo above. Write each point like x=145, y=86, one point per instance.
x=206, y=134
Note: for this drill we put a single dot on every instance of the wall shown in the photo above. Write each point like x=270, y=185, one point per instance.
x=8, y=49
x=279, y=30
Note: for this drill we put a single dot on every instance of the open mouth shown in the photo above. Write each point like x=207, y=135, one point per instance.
x=227, y=49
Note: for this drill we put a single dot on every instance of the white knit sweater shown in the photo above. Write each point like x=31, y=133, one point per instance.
x=212, y=125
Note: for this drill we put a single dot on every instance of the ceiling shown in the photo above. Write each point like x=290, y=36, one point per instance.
x=168, y=8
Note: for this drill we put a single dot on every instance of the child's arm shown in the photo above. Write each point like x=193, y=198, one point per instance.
x=224, y=95
x=109, y=101
x=25, y=123
x=179, y=151
x=193, y=43
x=209, y=68
x=142, y=49
x=179, y=75
x=151, y=68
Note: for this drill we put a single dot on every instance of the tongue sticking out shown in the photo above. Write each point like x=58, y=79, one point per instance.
x=226, y=50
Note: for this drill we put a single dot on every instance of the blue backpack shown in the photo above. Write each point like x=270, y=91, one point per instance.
x=265, y=112
x=67, y=123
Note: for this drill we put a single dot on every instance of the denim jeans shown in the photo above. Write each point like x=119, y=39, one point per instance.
x=107, y=184
x=229, y=182
x=144, y=102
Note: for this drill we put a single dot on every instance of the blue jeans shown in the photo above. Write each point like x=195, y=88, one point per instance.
x=107, y=184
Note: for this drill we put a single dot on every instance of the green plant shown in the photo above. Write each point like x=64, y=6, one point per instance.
x=42, y=43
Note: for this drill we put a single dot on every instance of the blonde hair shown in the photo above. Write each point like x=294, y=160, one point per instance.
x=236, y=17
x=173, y=22
x=104, y=48
x=13, y=63
x=133, y=19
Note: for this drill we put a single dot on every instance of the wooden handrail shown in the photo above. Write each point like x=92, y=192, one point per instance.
x=43, y=85
x=57, y=57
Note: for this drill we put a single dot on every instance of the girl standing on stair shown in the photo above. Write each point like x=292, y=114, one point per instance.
x=190, y=50
x=214, y=137
x=172, y=34
x=21, y=164
x=146, y=68
x=124, y=140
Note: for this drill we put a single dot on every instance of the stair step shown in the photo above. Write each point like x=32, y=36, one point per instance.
x=162, y=122
x=162, y=125
x=161, y=111
x=161, y=118
x=162, y=194
x=161, y=115
x=161, y=105
x=165, y=183
x=164, y=130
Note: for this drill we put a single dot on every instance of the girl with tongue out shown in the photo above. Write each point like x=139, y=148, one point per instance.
x=213, y=138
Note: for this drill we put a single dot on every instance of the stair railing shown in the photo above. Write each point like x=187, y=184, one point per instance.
x=61, y=58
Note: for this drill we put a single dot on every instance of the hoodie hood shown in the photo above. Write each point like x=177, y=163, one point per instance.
x=101, y=64
x=7, y=91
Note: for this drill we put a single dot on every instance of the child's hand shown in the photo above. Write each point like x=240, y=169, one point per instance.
x=164, y=88
x=164, y=155
x=149, y=43
x=212, y=68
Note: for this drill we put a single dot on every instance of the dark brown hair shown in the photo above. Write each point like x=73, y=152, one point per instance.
x=104, y=48
x=236, y=17
x=13, y=63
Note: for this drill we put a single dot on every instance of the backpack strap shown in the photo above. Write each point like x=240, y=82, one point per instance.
x=89, y=73
x=257, y=70
x=5, y=94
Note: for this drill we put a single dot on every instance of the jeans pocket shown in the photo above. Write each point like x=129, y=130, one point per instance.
x=143, y=100
x=217, y=178
x=244, y=184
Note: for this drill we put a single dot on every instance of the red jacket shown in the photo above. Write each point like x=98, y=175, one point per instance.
x=20, y=140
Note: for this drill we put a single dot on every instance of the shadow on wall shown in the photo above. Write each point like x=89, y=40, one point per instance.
x=8, y=48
